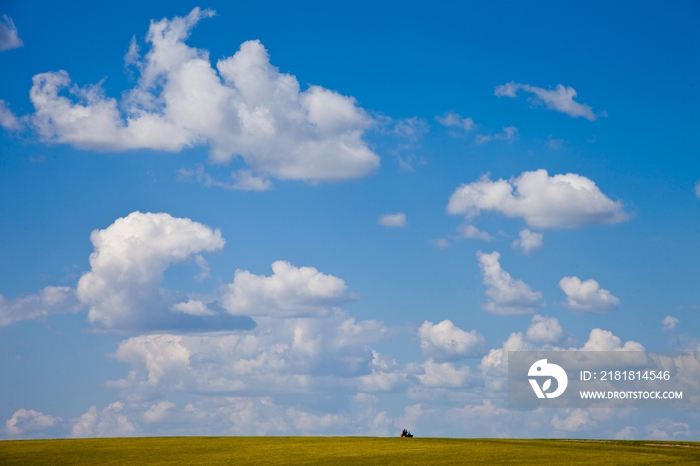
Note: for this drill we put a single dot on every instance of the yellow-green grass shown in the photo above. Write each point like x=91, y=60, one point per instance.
x=343, y=451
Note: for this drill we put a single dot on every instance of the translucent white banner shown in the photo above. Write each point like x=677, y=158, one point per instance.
x=603, y=379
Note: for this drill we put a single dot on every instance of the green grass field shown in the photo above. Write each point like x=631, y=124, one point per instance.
x=343, y=451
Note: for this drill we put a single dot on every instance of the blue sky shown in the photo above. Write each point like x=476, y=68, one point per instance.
x=282, y=219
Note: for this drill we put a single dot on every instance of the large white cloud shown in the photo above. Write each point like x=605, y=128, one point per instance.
x=245, y=107
x=507, y=296
x=24, y=420
x=122, y=290
x=289, y=292
x=280, y=356
x=543, y=201
x=446, y=342
x=560, y=99
x=587, y=296
x=50, y=300
x=9, y=38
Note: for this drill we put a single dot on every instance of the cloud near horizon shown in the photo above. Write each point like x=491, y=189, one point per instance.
x=244, y=108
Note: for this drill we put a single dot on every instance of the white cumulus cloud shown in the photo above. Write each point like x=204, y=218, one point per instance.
x=397, y=220
x=443, y=374
x=560, y=99
x=446, y=342
x=587, y=296
x=528, y=241
x=289, y=292
x=122, y=290
x=9, y=38
x=452, y=119
x=24, y=420
x=244, y=108
x=507, y=296
x=544, y=329
x=543, y=201
x=109, y=422
x=670, y=323
x=158, y=412
x=604, y=340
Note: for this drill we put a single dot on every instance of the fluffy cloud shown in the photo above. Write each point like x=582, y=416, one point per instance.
x=446, y=342
x=245, y=107
x=604, y=340
x=576, y=419
x=158, y=412
x=122, y=290
x=280, y=356
x=7, y=119
x=544, y=330
x=50, y=300
x=666, y=429
x=110, y=422
x=443, y=374
x=626, y=433
x=510, y=134
x=472, y=232
x=559, y=201
x=670, y=323
x=507, y=296
x=587, y=296
x=529, y=241
x=452, y=119
x=28, y=420
x=289, y=292
x=440, y=243
x=8, y=34
x=560, y=99
x=397, y=220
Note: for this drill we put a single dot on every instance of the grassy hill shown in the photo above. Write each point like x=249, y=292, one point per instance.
x=343, y=451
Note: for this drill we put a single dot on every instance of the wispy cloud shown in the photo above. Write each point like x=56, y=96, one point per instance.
x=9, y=38
x=397, y=220
x=510, y=134
x=560, y=99
x=454, y=120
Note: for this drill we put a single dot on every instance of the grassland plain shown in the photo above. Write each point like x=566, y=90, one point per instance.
x=342, y=451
